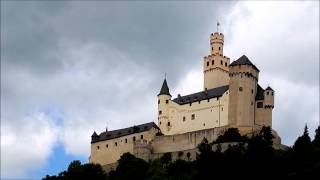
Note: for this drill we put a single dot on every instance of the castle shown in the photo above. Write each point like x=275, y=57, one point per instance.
x=231, y=97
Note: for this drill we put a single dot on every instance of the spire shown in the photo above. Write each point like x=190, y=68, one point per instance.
x=164, y=88
x=269, y=88
x=94, y=134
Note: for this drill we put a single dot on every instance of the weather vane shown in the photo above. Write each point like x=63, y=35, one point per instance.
x=218, y=24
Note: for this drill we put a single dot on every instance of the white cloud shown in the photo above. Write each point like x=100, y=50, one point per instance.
x=28, y=146
x=282, y=40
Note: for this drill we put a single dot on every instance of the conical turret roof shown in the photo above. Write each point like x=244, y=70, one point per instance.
x=164, y=89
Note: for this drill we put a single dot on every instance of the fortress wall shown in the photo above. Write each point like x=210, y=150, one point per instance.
x=186, y=141
x=107, y=152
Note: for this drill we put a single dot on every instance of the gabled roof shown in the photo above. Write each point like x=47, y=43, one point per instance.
x=164, y=89
x=124, y=132
x=260, y=93
x=211, y=93
x=243, y=60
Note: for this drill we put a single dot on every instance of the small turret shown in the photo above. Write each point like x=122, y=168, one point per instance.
x=94, y=137
x=216, y=43
x=164, y=98
x=269, y=97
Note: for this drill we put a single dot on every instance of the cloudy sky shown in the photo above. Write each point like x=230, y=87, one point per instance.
x=71, y=67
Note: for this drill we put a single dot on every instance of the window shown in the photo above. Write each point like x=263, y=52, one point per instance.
x=212, y=48
x=98, y=147
x=167, y=101
x=204, y=124
x=208, y=63
x=260, y=105
x=190, y=104
x=193, y=116
x=267, y=92
x=219, y=48
x=199, y=102
x=251, y=91
x=221, y=62
x=222, y=109
x=159, y=101
x=160, y=112
x=208, y=100
x=141, y=137
x=107, y=145
x=168, y=123
x=116, y=144
x=134, y=138
x=183, y=118
x=212, y=62
x=226, y=64
x=240, y=88
x=251, y=103
x=272, y=93
x=125, y=140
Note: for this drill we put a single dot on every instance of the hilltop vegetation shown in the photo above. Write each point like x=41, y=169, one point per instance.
x=252, y=157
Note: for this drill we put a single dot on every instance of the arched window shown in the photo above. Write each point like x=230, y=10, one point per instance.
x=168, y=123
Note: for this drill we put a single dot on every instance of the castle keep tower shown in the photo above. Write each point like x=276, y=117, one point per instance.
x=243, y=89
x=216, y=65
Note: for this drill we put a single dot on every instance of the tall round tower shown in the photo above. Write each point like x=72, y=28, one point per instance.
x=216, y=65
x=243, y=88
x=164, y=98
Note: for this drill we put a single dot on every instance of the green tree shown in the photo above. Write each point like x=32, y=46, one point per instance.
x=166, y=158
x=303, y=145
x=130, y=167
x=316, y=141
x=231, y=135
